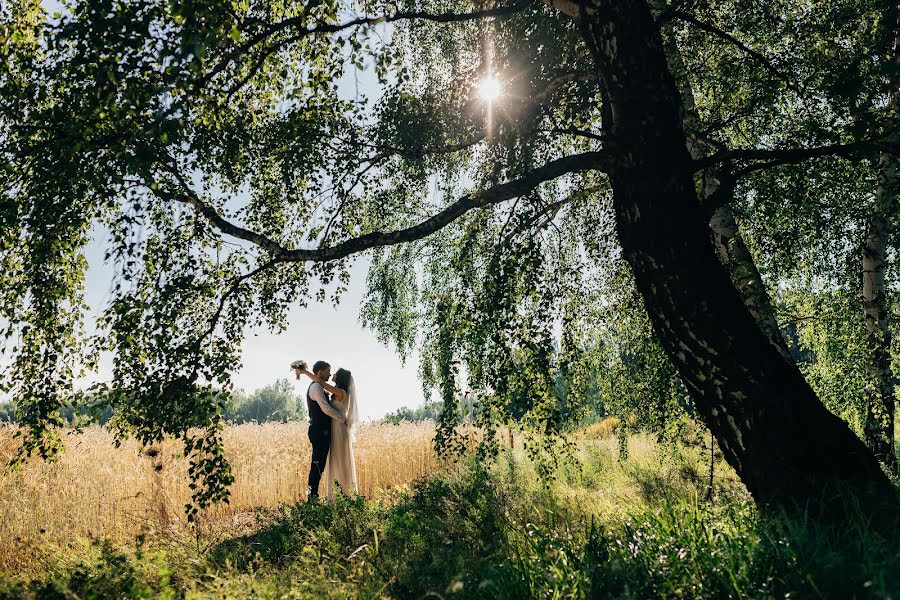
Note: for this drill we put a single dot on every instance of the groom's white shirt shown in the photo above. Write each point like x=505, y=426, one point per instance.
x=317, y=393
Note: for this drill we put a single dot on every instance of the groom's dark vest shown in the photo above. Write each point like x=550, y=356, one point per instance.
x=318, y=420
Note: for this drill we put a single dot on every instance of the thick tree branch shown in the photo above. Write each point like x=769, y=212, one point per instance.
x=499, y=193
x=775, y=157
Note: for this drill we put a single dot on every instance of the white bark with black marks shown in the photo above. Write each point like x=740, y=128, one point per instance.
x=880, y=398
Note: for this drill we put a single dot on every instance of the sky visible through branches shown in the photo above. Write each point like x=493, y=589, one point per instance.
x=319, y=331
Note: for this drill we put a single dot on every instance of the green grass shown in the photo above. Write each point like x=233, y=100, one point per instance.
x=603, y=529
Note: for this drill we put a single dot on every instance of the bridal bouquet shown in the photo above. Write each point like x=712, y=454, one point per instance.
x=299, y=364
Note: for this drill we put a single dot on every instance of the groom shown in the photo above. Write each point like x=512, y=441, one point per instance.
x=320, y=414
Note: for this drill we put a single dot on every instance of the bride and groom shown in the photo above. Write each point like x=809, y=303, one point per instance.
x=332, y=424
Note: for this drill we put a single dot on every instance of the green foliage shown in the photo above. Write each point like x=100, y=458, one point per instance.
x=85, y=409
x=275, y=402
x=829, y=329
x=105, y=573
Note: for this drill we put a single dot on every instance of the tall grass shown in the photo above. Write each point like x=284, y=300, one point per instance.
x=97, y=490
x=645, y=526
x=497, y=531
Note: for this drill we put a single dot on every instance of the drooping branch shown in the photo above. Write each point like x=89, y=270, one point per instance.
x=600, y=160
x=236, y=283
x=388, y=151
x=304, y=30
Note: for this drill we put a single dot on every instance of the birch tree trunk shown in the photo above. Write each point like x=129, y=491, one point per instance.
x=784, y=444
x=880, y=400
x=735, y=255
x=878, y=428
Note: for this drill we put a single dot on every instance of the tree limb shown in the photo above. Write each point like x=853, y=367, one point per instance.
x=776, y=156
x=570, y=164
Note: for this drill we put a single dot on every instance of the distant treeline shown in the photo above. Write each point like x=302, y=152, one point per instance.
x=428, y=411
x=275, y=402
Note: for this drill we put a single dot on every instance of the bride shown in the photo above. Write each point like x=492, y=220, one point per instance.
x=341, y=463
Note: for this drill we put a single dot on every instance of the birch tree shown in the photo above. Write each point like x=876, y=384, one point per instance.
x=213, y=143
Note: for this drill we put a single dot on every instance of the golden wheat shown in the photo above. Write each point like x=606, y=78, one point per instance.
x=601, y=429
x=97, y=490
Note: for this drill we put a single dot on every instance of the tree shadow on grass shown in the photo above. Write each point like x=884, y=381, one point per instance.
x=655, y=486
x=326, y=527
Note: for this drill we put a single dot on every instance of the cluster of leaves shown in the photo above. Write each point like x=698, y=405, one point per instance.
x=74, y=414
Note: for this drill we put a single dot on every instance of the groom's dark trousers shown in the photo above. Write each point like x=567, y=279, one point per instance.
x=320, y=438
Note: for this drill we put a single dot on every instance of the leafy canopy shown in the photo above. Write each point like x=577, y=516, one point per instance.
x=217, y=151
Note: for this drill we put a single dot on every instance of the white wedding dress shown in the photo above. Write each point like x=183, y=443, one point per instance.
x=341, y=463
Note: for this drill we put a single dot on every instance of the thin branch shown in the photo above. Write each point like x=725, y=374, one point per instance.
x=559, y=82
x=795, y=319
x=231, y=290
x=574, y=131
x=725, y=36
x=388, y=151
x=305, y=30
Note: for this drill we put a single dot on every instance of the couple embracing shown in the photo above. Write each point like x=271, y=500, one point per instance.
x=332, y=422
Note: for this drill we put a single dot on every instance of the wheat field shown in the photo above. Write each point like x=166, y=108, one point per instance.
x=97, y=490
